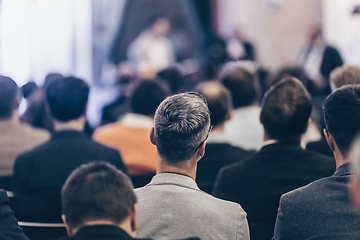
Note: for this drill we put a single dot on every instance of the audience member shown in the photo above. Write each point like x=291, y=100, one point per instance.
x=9, y=228
x=36, y=113
x=244, y=129
x=44, y=169
x=98, y=202
x=313, y=131
x=130, y=135
x=28, y=89
x=345, y=75
x=322, y=209
x=218, y=153
x=281, y=165
x=15, y=137
x=119, y=107
x=339, y=77
x=174, y=78
x=171, y=205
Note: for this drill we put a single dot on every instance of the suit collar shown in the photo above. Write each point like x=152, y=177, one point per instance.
x=281, y=146
x=103, y=231
x=174, y=179
x=344, y=169
x=68, y=134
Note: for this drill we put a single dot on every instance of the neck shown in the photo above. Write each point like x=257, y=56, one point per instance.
x=295, y=139
x=339, y=158
x=125, y=225
x=13, y=117
x=187, y=168
x=76, y=124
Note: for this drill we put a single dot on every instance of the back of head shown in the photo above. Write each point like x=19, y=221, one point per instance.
x=218, y=99
x=9, y=94
x=344, y=75
x=342, y=116
x=241, y=84
x=50, y=78
x=67, y=98
x=147, y=96
x=173, y=77
x=28, y=89
x=286, y=109
x=182, y=122
x=97, y=191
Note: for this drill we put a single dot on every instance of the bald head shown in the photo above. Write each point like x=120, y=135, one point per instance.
x=218, y=99
x=344, y=75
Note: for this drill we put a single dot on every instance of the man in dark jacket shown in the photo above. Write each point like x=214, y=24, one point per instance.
x=43, y=170
x=257, y=183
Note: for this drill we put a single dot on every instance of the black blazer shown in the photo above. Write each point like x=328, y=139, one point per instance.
x=217, y=155
x=257, y=183
x=104, y=232
x=9, y=228
x=319, y=210
x=100, y=232
x=43, y=170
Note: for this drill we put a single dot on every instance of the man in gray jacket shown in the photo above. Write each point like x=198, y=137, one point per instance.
x=172, y=206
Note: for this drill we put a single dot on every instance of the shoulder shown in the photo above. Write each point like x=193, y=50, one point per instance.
x=306, y=193
x=34, y=132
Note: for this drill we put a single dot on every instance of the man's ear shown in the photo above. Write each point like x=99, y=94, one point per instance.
x=152, y=136
x=307, y=125
x=330, y=140
x=201, y=150
x=68, y=228
x=134, y=220
x=85, y=109
x=229, y=115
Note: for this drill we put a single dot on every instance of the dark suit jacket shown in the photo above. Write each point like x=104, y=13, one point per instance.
x=43, y=170
x=100, y=232
x=320, y=210
x=103, y=232
x=257, y=183
x=9, y=228
x=217, y=155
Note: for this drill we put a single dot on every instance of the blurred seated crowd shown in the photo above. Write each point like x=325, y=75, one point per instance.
x=239, y=155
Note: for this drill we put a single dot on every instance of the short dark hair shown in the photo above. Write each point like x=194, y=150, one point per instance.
x=342, y=116
x=286, y=109
x=147, y=96
x=97, y=191
x=9, y=93
x=345, y=75
x=67, y=98
x=241, y=84
x=182, y=122
x=173, y=77
x=218, y=98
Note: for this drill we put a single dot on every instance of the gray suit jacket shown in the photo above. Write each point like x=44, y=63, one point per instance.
x=171, y=206
x=319, y=210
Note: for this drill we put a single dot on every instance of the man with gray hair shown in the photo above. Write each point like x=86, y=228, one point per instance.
x=172, y=205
